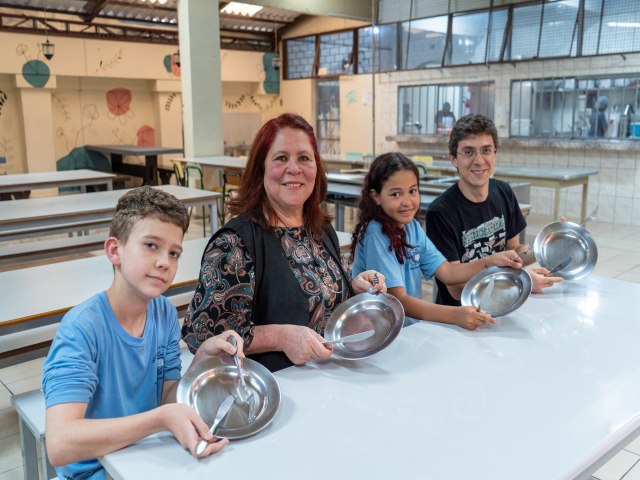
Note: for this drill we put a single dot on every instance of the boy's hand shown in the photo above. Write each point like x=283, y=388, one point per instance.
x=220, y=344
x=188, y=428
x=508, y=258
x=540, y=281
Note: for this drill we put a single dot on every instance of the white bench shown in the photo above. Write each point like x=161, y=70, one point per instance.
x=56, y=247
x=31, y=416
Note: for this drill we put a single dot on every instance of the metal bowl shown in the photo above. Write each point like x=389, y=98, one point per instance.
x=205, y=386
x=380, y=312
x=559, y=240
x=512, y=286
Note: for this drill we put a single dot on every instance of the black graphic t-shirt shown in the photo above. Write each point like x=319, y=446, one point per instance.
x=466, y=231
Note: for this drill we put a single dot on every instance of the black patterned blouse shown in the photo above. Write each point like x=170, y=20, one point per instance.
x=224, y=296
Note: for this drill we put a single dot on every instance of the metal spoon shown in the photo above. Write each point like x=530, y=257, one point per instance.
x=245, y=394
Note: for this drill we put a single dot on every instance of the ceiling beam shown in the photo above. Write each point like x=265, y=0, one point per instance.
x=94, y=10
x=354, y=9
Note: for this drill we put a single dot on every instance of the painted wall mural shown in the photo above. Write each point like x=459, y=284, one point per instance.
x=146, y=136
x=171, y=66
x=234, y=105
x=112, y=62
x=271, y=82
x=35, y=72
x=3, y=98
x=119, y=104
x=169, y=102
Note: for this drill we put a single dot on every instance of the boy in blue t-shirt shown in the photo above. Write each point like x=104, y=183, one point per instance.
x=111, y=375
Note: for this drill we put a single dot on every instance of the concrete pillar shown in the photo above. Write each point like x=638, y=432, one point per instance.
x=199, y=30
x=36, y=114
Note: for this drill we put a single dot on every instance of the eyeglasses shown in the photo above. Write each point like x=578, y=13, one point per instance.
x=469, y=153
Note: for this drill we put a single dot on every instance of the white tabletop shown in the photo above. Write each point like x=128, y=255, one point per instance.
x=134, y=149
x=46, y=292
x=216, y=161
x=549, y=173
x=66, y=178
x=550, y=392
x=53, y=211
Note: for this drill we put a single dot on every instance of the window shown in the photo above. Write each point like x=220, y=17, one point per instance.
x=525, y=32
x=559, y=29
x=336, y=53
x=423, y=42
x=328, y=108
x=469, y=38
x=620, y=30
x=432, y=109
x=572, y=108
x=300, y=56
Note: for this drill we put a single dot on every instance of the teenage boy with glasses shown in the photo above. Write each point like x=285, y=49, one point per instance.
x=478, y=215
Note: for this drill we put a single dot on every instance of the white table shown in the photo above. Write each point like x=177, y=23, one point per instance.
x=148, y=172
x=551, y=392
x=67, y=178
x=44, y=215
x=220, y=161
x=550, y=177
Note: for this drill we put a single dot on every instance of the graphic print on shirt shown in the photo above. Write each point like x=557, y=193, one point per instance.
x=485, y=239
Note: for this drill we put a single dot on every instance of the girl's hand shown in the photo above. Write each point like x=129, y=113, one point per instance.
x=539, y=281
x=470, y=319
x=508, y=258
x=369, y=281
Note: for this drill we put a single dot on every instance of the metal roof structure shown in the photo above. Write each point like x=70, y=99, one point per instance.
x=151, y=21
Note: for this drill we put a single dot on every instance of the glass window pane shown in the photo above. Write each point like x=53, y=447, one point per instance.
x=336, y=53
x=328, y=108
x=365, y=50
x=620, y=27
x=525, y=32
x=469, y=38
x=591, y=29
x=558, y=27
x=386, y=47
x=300, y=55
x=423, y=42
x=496, y=38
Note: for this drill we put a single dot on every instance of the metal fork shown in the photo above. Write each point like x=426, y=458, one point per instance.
x=244, y=394
x=526, y=252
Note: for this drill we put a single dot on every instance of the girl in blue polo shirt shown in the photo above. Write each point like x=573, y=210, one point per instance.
x=389, y=239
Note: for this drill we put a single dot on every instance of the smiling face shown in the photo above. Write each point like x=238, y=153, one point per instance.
x=147, y=262
x=476, y=170
x=289, y=174
x=399, y=197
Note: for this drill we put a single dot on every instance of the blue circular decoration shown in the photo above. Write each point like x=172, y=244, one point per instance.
x=167, y=63
x=36, y=73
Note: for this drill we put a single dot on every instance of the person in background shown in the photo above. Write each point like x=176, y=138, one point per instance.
x=111, y=375
x=445, y=118
x=274, y=272
x=599, y=125
x=478, y=216
x=388, y=238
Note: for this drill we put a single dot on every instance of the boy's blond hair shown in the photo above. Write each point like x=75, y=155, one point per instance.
x=146, y=202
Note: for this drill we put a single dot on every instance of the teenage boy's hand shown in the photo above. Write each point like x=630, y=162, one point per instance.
x=507, y=258
x=188, y=428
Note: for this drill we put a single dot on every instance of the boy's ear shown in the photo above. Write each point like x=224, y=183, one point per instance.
x=112, y=249
x=374, y=195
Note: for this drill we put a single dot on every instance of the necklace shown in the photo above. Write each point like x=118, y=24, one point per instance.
x=300, y=243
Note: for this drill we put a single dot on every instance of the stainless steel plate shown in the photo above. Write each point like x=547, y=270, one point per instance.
x=205, y=386
x=559, y=240
x=510, y=290
x=381, y=312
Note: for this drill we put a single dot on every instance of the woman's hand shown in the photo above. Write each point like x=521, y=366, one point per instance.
x=470, y=319
x=369, y=281
x=539, y=281
x=301, y=344
x=508, y=258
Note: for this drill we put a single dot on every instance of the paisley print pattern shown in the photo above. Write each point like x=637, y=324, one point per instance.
x=224, y=296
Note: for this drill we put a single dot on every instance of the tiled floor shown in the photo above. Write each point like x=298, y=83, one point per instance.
x=618, y=258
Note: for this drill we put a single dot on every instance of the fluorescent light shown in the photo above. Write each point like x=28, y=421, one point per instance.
x=235, y=8
x=624, y=24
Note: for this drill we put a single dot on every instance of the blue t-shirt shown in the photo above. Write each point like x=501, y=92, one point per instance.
x=94, y=360
x=375, y=254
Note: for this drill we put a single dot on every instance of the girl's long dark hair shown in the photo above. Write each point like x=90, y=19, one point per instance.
x=381, y=169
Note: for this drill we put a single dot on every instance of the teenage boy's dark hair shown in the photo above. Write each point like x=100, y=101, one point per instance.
x=469, y=125
x=147, y=202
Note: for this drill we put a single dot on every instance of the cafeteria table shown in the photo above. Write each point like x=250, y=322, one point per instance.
x=66, y=178
x=45, y=215
x=550, y=177
x=148, y=172
x=552, y=391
